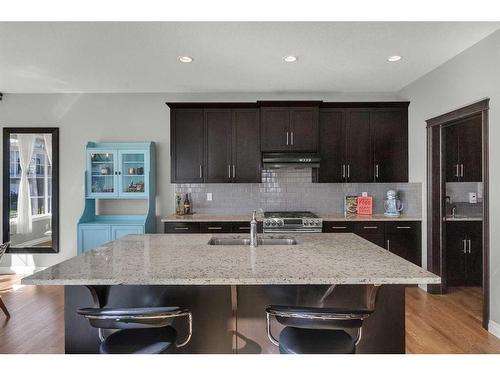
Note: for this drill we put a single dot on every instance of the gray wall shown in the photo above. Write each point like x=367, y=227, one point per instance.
x=114, y=118
x=468, y=77
x=292, y=189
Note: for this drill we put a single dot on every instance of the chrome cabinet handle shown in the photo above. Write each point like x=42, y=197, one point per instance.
x=244, y=228
x=181, y=228
x=456, y=170
x=403, y=227
x=201, y=171
x=339, y=227
x=214, y=228
x=388, y=245
x=229, y=171
x=376, y=170
x=464, y=249
x=348, y=170
x=234, y=171
x=291, y=137
x=461, y=170
x=370, y=227
x=287, y=138
x=343, y=170
x=469, y=241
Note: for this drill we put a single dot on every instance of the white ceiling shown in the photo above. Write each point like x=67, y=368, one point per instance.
x=228, y=57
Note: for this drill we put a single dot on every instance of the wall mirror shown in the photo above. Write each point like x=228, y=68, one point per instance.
x=30, y=217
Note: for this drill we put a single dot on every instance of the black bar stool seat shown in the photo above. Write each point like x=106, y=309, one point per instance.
x=139, y=341
x=294, y=340
x=141, y=330
x=315, y=330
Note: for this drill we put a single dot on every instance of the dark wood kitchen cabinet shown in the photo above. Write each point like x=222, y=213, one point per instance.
x=404, y=239
x=463, y=150
x=228, y=140
x=332, y=142
x=363, y=144
x=389, y=129
x=246, y=157
x=464, y=253
x=372, y=231
x=289, y=129
x=210, y=227
x=358, y=157
x=187, y=145
x=218, y=129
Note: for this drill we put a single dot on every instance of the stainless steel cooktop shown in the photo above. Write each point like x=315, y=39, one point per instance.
x=291, y=221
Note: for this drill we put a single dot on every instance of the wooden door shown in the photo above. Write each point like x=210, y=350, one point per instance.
x=187, y=139
x=451, y=153
x=218, y=128
x=456, y=238
x=304, y=129
x=275, y=129
x=246, y=156
x=475, y=254
x=390, y=149
x=404, y=240
x=359, y=151
x=470, y=149
x=332, y=145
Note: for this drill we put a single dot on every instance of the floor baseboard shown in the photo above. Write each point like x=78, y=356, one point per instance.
x=494, y=328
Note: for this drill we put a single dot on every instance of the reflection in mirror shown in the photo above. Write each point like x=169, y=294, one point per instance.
x=30, y=198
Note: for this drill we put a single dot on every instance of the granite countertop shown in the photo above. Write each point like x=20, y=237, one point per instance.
x=187, y=259
x=247, y=217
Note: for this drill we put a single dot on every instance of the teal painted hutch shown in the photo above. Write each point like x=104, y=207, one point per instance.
x=117, y=171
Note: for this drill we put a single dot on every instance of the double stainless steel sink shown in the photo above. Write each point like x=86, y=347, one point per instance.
x=243, y=241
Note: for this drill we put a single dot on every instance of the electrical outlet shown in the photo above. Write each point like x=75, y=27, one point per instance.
x=209, y=197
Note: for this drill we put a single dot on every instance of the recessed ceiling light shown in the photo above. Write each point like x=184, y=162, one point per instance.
x=185, y=59
x=290, y=59
x=394, y=58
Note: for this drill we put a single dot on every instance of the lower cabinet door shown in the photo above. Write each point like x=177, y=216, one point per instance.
x=456, y=252
x=118, y=231
x=92, y=236
x=404, y=240
x=372, y=231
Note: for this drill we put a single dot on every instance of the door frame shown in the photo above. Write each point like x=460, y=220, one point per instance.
x=436, y=188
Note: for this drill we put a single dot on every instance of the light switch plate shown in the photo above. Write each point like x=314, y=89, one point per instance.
x=209, y=197
x=472, y=197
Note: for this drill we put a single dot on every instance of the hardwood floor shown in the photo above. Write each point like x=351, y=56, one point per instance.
x=434, y=324
x=36, y=324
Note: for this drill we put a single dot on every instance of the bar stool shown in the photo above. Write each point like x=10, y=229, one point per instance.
x=143, y=330
x=317, y=330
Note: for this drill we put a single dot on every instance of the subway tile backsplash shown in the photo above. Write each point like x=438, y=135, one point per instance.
x=292, y=189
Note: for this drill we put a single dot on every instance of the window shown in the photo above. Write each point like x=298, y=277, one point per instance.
x=39, y=178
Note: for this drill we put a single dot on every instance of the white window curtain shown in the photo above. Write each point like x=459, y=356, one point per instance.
x=48, y=146
x=26, y=143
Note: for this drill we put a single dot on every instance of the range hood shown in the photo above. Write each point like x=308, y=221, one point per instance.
x=275, y=160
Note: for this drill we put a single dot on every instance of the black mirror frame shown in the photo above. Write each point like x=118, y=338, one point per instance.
x=55, y=190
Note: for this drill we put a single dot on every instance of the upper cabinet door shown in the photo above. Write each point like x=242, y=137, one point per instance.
x=246, y=157
x=470, y=150
x=304, y=129
x=332, y=145
x=452, y=164
x=218, y=128
x=102, y=173
x=275, y=129
x=133, y=173
x=390, y=150
x=187, y=128
x=359, y=152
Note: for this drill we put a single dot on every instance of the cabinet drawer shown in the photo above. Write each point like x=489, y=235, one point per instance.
x=337, y=227
x=118, y=231
x=182, y=227
x=402, y=227
x=244, y=227
x=215, y=227
x=361, y=227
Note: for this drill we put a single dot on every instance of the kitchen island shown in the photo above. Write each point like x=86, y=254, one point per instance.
x=228, y=287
